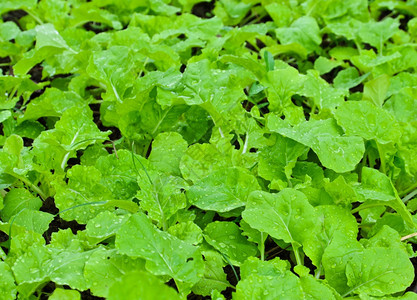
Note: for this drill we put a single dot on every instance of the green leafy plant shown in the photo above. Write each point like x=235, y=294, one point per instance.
x=225, y=149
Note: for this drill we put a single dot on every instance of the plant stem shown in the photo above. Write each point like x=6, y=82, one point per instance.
x=359, y=208
x=297, y=255
x=409, y=196
x=381, y=158
x=31, y=185
x=262, y=247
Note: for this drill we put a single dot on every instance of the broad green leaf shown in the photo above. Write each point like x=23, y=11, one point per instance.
x=223, y=190
x=187, y=231
x=167, y=150
x=227, y=238
x=323, y=95
x=362, y=118
x=114, y=68
x=304, y=31
x=214, y=278
x=277, y=161
x=164, y=253
x=348, y=78
x=336, y=257
x=161, y=197
x=61, y=294
x=324, y=65
x=370, y=271
x=104, y=267
x=376, y=90
x=342, y=193
x=335, y=151
x=200, y=160
x=16, y=200
x=270, y=280
x=140, y=285
x=48, y=43
x=378, y=188
x=7, y=284
x=52, y=103
x=332, y=220
x=84, y=188
x=74, y=131
x=105, y=224
x=287, y=215
x=62, y=267
x=119, y=174
x=377, y=33
x=282, y=84
x=33, y=220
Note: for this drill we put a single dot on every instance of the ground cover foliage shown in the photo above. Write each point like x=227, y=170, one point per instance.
x=179, y=149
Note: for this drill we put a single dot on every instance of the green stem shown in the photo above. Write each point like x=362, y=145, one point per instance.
x=409, y=196
x=31, y=185
x=381, y=158
x=359, y=208
x=34, y=16
x=405, y=192
x=262, y=247
x=297, y=255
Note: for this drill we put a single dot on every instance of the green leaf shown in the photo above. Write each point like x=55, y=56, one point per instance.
x=282, y=84
x=200, y=160
x=335, y=151
x=285, y=215
x=7, y=284
x=105, y=224
x=16, y=200
x=48, y=43
x=214, y=278
x=377, y=187
x=52, y=103
x=362, y=118
x=140, y=285
x=377, y=33
x=114, y=68
x=324, y=65
x=332, y=220
x=188, y=232
x=266, y=280
x=61, y=294
x=167, y=150
x=370, y=271
x=376, y=90
x=348, y=78
x=336, y=257
x=323, y=95
x=33, y=220
x=223, y=190
x=84, y=188
x=277, y=161
x=304, y=31
x=118, y=174
x=227, y=238
x=164, y=253
x=161, y=197
x=104, y=267
x=74, y=131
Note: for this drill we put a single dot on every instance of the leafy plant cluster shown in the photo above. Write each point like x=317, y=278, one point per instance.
x=251, y=149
